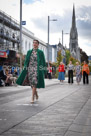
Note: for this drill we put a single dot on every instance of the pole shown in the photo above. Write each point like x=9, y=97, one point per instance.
x=62, y=37
x=20, y=35
x=48, y=39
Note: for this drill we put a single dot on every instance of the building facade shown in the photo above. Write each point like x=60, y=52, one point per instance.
x=73, y=45
x=53, y=51
x=27, y=42
x=10, y=39
x=89, y=60
x=62, y=48
x=9, y=32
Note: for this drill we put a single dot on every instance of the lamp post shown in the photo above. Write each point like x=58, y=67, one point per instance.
x=48, y=40
x=62, y=36
x=48, y=35
x=20, y=35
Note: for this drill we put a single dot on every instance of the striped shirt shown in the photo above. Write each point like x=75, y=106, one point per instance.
x=70, y=67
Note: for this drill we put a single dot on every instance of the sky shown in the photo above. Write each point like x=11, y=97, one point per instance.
x=36, y=12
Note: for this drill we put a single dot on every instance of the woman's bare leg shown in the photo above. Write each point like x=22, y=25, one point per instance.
x=33, y=94
x=36, y=93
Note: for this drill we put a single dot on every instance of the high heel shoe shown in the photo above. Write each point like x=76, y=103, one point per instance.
x=32, y=102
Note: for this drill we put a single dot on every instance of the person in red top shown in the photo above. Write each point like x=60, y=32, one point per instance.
x=85, y=72
x=61, y=70
x=50, y=72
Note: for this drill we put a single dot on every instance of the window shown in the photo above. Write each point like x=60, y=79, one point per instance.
x=7, y=33
x=18, y=38
x=2, y=31
x=26, y=45
x=13, y=44
x=29, y=46
x=13, y=35
x=73, y=45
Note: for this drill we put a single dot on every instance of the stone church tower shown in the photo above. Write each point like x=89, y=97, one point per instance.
x=73, y=45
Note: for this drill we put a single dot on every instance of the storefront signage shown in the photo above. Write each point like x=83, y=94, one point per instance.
x=3, y=54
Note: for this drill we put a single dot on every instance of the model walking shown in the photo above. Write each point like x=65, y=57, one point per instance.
x=34, y=70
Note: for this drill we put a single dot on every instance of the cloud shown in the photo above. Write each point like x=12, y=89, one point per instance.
x=62, y=23
x=11, y=7
x=85, y=45
x=36, y=13
x=29, y=1
x=84, y=21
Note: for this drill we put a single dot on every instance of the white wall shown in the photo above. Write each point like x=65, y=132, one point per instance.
x=53, y=55
x=27, y=43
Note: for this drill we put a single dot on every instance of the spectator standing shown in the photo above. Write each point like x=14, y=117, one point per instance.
x=85, y=73
x=78, y=72
x=49, y=72
x=61, y=70
x=70, y=72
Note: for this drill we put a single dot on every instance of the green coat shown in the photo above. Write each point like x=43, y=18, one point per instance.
x=41, y=69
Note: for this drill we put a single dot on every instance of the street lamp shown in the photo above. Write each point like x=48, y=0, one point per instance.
x=20, y=35
x=62, y=36
x=48, y=35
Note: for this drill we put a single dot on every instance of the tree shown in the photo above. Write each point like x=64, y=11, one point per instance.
x=59, y=58
x=84, y=56
x=73, y=60
x=67, y=56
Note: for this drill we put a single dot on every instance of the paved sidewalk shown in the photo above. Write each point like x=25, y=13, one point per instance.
x=8, y=89
x=62, y=110
x=11, y=90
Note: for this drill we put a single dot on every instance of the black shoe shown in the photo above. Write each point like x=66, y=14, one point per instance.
x=1, y=85
x=6, y=84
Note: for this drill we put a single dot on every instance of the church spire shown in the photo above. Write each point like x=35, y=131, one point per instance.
x=73, y=18
x=73, y=45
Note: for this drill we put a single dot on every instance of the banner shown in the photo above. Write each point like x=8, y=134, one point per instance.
x=3, y=54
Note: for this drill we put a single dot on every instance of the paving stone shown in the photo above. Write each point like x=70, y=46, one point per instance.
x=80, y=128
x=83, y=120
x=62, y=110
x=71, y=133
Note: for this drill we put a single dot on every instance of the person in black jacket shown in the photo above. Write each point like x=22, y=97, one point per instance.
x=0, y=83
x=2, y=75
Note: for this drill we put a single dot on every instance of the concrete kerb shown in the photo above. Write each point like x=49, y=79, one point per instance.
x=18, y=89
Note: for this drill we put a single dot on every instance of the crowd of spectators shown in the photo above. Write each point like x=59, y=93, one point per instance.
x=8, y=75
